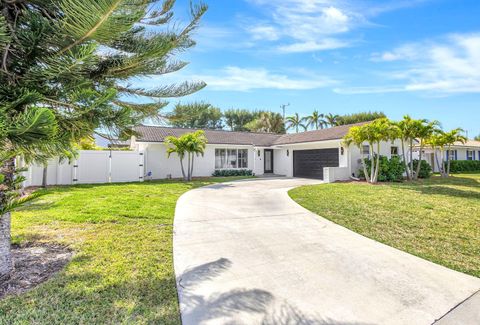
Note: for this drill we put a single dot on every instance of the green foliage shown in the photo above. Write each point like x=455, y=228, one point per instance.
x=74, y=58
x=391, y=170
x=197, y=115
x=477, y=138
x=190, y=144
x=269, y=122
x=295, y=122
x=359, y=117
x=237, y=119
x=316, y=120
x=425, y=170
x=461, y=166
x=232, y=172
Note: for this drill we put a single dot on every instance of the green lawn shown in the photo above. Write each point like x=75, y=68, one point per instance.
x=122, y=271
x=436, y=219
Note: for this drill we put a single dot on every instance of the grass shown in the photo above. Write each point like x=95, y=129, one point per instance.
x=122, y=271
x=436, y=219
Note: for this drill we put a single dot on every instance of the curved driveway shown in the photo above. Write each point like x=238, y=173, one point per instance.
x=245, y=253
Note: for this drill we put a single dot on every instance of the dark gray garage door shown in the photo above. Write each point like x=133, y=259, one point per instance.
x=310, y=163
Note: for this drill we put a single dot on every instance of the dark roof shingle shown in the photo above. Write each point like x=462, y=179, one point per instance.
x=159, y=133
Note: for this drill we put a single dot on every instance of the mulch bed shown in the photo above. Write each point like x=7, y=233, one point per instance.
x=34, y=263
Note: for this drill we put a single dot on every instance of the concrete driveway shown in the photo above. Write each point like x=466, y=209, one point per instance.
x=245, y=253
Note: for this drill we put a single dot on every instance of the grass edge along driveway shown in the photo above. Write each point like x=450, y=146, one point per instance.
x=122, y=271
x=436, y=219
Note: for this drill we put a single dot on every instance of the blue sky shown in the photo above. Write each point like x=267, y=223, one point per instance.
x=401, y=57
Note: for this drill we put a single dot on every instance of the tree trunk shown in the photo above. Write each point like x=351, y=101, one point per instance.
x=6, y=263
x=419, y=160
x=44, y=176
x=377, y=167
x=365, y=171
x=188, y=168
x=191, y=167
x=448, y=161
x=405, y=160
x=372, y=163
x=183, y=169
x=411, y=159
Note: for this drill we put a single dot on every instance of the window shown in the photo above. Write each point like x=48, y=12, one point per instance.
x=394, y=151
x=366, y=149
x=470, y=155
x=231, y=158
x=242, y=158
x=220, y=158
x=451, y=154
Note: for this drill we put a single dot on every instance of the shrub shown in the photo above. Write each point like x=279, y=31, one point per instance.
x=425, y=169
x=391, y=170
x=459, y=166
x=232, y=172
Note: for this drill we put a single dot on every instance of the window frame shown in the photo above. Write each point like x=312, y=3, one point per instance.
x=471, y=155
x=226, y=154
x=394, y=154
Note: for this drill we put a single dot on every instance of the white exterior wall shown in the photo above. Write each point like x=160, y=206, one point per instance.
x=157, y=161
x=385, y=147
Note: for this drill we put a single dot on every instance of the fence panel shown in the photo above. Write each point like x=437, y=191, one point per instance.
x=127, y=166
x=92, y=167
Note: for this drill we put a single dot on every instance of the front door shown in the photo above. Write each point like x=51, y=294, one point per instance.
x=268, y=160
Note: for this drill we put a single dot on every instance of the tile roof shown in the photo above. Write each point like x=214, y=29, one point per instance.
x=159, y=133
x=469, y=143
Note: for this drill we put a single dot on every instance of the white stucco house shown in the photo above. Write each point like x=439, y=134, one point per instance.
x=469, y=150
x=313, y=154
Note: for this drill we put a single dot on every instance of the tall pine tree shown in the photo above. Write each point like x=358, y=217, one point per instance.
x=73, y=64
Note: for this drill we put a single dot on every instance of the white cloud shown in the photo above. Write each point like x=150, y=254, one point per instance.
x=264, y=32
x=245, y=79
x=445, y=66
x=316, y=25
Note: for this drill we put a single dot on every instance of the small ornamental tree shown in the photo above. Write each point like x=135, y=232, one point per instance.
x=190, y=145
x=372, y=133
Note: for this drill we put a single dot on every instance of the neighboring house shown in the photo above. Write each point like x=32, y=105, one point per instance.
x=313, y=154
x=469, y=150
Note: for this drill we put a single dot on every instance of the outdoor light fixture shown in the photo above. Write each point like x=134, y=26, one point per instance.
x=288, y=152
x=258, y=153
x=342, y=150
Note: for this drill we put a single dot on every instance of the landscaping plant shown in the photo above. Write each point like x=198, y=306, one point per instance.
x=189, y=144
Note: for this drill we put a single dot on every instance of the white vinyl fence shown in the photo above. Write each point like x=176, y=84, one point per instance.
x=91, y=166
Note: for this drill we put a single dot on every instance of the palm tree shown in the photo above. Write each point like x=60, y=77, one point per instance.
x=424, y=131
x=450, y=138
x=332, y=119
x=408, y=129
x=316, y=120
x=295, y=121
x=190, y=144
x=373, y=133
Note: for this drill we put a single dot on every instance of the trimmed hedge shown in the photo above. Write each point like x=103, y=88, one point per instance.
x=425, y=169
x=232, y=172
x=391, y=170
x=459, y=166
